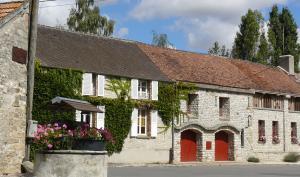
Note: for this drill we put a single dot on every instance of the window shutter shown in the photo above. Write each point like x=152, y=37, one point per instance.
x=134, y=117
x=87, y=84
x=134, y=88
x=101, y=118
x=91, y=120
x=154, y=89
x=101, y=85
x=78, y=116
x=154, y=117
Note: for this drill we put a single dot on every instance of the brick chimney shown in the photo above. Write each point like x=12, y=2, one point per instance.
x=286, y=62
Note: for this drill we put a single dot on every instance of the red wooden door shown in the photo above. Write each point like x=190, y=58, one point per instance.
x=221, y=146
x=188, y=145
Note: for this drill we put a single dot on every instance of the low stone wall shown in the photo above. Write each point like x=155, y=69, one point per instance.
x=71, y=163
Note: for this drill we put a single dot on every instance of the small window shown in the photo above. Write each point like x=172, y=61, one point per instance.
x=294, y=104
x=261, y=132
x=268, y=101
x=192, y=102
x=143, y=89
x=294, y=137
x=275, y=133
x=242, y=138
x=142, y=122
x=224, y=108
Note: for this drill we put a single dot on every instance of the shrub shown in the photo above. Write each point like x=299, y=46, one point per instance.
x=253, y=159
x=291, y=157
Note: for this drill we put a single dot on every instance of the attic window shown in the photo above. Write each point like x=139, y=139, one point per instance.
x=19, y=55
x=224, y=108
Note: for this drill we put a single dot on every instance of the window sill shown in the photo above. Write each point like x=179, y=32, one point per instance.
x=142, y=137
x=294, y=111
x=268, y=109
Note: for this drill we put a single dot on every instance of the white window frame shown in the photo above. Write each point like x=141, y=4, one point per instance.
x=139, y=122
x=143, y=94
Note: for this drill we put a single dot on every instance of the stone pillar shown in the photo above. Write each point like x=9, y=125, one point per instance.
x=71, y=163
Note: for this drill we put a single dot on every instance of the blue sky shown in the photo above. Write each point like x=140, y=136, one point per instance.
x=190, y=25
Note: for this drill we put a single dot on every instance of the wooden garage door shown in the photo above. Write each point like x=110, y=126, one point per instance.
x=188, y=145
x=221, y=146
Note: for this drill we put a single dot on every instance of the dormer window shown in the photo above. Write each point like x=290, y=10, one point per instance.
x=143, y=89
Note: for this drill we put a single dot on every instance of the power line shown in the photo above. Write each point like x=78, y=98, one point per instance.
x=60, y=5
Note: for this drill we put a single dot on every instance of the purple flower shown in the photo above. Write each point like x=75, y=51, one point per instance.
x=50, y=146
x=65, y=126
x=56, y=125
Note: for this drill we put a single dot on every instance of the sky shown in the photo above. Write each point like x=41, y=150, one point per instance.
x=191, y=25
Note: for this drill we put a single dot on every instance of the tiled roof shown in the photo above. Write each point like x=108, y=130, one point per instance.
x=220, y=71
x=64, y=49
x=8, y=7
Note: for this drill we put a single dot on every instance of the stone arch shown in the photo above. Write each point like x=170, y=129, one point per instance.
x=224, y=145
x=190, y=145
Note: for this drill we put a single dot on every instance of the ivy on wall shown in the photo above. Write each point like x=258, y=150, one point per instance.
x=169, y=96
x=50, y=83
x=117, y=120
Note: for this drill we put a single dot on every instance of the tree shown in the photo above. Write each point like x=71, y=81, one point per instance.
x=215, y=50
x=263, y=50
x=85, y=17
x=283, y=35
x=275, y=35
x=289, y=35
x=245, y=43
x=161, y=40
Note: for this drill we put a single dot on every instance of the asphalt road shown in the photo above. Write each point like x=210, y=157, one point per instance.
x=208, y=171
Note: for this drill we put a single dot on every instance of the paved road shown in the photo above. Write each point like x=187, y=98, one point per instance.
x=208, y=171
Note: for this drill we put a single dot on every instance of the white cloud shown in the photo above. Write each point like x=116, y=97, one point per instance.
x=54, y=13
x=298, y=35
x=122, y=32
x=203, y=22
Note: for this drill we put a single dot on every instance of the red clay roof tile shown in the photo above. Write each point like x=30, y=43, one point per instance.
x=8, y=7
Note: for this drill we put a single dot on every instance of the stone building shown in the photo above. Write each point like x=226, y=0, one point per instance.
x=240, y=109
x=13, y=80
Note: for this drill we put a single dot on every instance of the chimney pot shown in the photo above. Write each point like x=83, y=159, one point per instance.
x=287, y=63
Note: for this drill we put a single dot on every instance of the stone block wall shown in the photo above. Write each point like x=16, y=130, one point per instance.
x=13, y=81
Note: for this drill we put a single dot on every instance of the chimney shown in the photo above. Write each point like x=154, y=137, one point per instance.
x=286, y=62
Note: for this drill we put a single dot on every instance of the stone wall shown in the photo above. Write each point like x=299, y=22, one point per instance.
x=13, y=81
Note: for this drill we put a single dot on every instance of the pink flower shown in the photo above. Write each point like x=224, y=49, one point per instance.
x=65, y=126
x=46, y=134
x=70, y=133
x=37, y=137
x=50, y=146
x=56, y=125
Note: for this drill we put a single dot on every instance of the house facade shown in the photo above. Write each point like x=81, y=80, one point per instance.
x=13, y=81
x=239, y=109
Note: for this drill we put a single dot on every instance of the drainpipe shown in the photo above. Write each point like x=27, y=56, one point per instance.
x=172, y=126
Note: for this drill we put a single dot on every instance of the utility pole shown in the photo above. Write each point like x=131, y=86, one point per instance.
x=32, y=36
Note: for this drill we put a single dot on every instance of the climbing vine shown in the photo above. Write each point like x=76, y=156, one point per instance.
x=169, y=97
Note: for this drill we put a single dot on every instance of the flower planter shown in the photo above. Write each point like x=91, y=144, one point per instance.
x=87, y=144
x=71, y=163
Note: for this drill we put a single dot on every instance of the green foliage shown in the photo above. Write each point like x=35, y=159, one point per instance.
x=169, y=97
x=283, y=35
x=120, y=87
x=161, y=40
x=291, y=157
x=86, y=18
x=263, y=50
x=219, y=51
x=117, y=120
x=50, y=83
x=253, y=159
x=248, y=36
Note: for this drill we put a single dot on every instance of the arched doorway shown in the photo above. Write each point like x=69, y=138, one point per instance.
x=189, y=143
x=223, y=146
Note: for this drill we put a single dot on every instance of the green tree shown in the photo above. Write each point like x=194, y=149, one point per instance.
x=85, y=17
x=263, y=50
x=275, y=35
x=289, y=35
x=245, y=43
x=215, y=50
x=161, y=40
